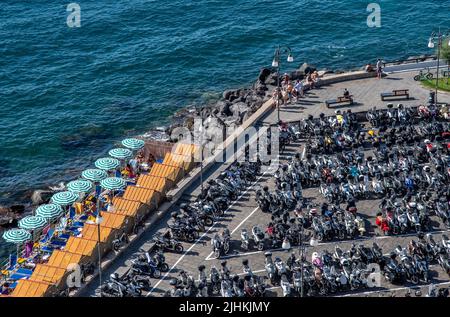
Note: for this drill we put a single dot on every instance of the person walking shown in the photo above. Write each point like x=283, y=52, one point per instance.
x=379, y=68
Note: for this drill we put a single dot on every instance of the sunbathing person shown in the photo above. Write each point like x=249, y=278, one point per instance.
x=310, y=81
x=315, y=77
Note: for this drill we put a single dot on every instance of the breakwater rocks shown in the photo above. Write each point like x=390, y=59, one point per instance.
x=9, y=216
x=235, y=106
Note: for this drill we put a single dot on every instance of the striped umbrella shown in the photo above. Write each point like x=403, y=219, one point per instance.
x=16, y=236
x=32, y=223
x=113, y=183
x=49, y=211
x=107, y=163
x=120, y=153
x=64, y=198
x=94, y=175
x=133, y=144
x=80, y=186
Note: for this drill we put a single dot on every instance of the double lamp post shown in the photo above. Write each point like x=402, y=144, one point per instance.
x=438, y=37
x=276, y=64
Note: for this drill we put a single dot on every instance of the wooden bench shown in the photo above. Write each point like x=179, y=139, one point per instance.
x=395, y=93
x=339, y=100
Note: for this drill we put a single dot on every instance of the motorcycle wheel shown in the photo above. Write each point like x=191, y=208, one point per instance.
x=116, y=246
x=156, y=274
x=226, y=248
x=208, y=222
x=341, y=234
x=215, y=289
x=429, y=76
x=260, y=246
x=320, y=237
x=190, y=238
x=417, y=78
x=217, y=254
x=179, y=248
x=414, y=279
x=164, y=267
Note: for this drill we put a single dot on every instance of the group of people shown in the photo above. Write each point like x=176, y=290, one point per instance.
x=290, y=90
x=378, y=68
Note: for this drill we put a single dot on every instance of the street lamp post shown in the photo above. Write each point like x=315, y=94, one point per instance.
x=276, y=63
x=98, y=221
x=439, y=36
x=200, y=129
x=302, y=259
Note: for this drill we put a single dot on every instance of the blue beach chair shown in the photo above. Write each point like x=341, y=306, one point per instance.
x=48, y=236
x=12, y=261
x=98, y=190
x=21, y=274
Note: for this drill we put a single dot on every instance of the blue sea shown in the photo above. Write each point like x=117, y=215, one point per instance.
x=67, y=95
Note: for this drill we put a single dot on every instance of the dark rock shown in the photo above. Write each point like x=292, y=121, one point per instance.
x=227, y=93
x=239, y=99
x=263, y=74
x=239, y=108
x=271, y=79
x=18, y=209
x=297, y=75
x=224, y=108
x=260, y=86
x=232, y=97
x=305, y=68
x=41, y=196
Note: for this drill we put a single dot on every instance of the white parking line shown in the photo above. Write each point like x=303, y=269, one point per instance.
x=245, y=219
x=242, y=254
x=208, y=258
x=202, y=236
x=392, y=289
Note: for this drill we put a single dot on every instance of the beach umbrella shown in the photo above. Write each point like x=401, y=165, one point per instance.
x=107, y=163
x=121, y=153
x=32, y=222
x=17, y=236
x=49, y=211
x=94, y=175
x=64, y=198
x=133, y=144
x=80, y=186
x=113, y=183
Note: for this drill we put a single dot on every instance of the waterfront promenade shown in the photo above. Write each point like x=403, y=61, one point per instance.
x=366, y=93
x=244, y=213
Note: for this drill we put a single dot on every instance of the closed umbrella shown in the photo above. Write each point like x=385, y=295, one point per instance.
x=121, y=153
x=32, y=222
x=49, y=211
x=107, y=163
x=113, y=183
x=133, y=144
x=64, y=198
x=94, y=175
x=80, y=186
x=17, y=236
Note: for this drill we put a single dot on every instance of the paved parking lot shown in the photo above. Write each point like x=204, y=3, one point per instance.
x=244, y=213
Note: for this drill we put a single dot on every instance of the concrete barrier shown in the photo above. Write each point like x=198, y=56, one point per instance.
x=336, y=78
